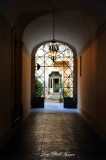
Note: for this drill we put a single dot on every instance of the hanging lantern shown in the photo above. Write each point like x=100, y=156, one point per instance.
x=54, y=46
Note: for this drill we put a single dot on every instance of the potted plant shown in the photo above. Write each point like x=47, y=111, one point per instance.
x=38, y=101
x=68, y=100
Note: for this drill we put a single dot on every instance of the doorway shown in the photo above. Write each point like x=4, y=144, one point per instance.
x=56, y=78
x=55, y=85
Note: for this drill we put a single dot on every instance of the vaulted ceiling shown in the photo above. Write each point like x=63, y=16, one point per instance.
x=76, y=21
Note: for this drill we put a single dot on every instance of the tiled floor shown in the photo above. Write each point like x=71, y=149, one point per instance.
x=53, y=135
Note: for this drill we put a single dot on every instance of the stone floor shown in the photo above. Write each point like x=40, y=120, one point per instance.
x=54, y=135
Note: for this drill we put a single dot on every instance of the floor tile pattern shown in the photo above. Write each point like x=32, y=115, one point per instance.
x=54, y=135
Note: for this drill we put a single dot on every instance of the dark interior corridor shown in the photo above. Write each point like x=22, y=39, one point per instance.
x=26, y=27
x=47, y=135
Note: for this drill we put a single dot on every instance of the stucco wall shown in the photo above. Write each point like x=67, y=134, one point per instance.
x=92, y=84
x=5, y=78
x=26, y=82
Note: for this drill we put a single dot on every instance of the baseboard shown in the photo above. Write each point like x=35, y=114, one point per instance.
x=26, y=112
x=11, y=131
x=4, y=138
x=97, y=126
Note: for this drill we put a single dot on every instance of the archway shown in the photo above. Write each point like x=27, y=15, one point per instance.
x=54, y=78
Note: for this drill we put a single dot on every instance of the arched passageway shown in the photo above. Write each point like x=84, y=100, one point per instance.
x=25, y=25
x=54, y=79
x=86, y=62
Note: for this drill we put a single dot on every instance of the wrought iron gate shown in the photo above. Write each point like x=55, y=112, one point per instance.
x=44, y=66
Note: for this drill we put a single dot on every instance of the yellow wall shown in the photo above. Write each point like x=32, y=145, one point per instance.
x=26, y=82
x=92, y=84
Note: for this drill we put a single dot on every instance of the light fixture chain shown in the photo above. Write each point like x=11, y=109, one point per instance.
x=53, y=25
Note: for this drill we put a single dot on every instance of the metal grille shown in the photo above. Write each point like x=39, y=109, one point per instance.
x=44, y=66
